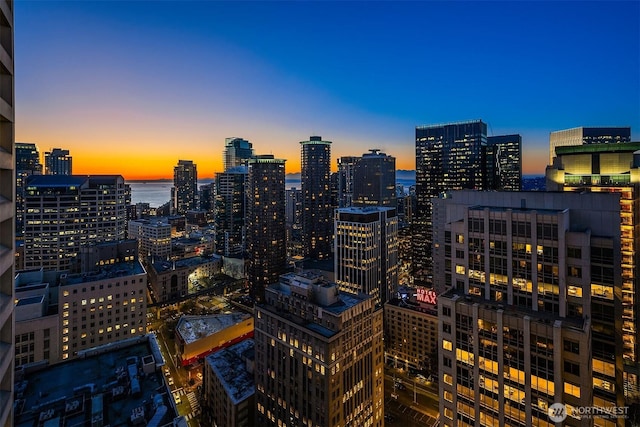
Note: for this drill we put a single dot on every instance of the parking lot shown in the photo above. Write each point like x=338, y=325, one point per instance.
x=399, y=414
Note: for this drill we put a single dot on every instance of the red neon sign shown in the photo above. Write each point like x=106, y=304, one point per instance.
x=428, y=296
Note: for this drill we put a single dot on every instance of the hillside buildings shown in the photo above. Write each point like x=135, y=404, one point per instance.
x=319, y=356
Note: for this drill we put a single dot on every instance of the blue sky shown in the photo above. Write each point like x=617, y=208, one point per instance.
x=131, y=87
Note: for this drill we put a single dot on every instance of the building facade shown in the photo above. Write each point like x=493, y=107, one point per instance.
x=236, y=152
x=503, y=161
x=229, y=217
x=532, y=308
x=27, y=163
x=319, y=356
x=317, y=209
x=585, y=136
x=58, y=162
x=170, y=280
x=104, y=303
x=153, y=236
x=366, y=251
x=374, y=180
x=346, y=165
x=7, y=213
x=293, y=206
x=65, y=212
x=266, y=230
x=611, y=168
x=184, y=193
x=229, y=388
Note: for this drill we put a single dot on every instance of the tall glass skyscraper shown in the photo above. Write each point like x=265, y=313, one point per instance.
x=317, y=209
x=587, y=135
x=236, y=152
x=448, y=157
x=229, y=211
x=27, y=163
x=266, y=230
x=374, y=180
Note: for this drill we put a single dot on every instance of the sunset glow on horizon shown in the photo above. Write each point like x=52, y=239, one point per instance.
x=130, y=88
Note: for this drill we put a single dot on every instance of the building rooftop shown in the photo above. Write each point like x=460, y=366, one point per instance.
x=38, y=299
x=99, y=386
x=162, y=266
x=230, y=366
x=193, y=328
x=523, y=210
x=598, y=148
x=119, y=269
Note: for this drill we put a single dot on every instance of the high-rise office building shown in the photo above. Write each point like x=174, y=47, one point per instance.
x=58, y=162
x=7, y=212
x=317, y=210
x=530, y=317
x=374, y=180
x=27, y=163
x=611, y=168
x=448, y=157
x=585, y=136
x=293, y=222
x=229, y=217
x=503, y=162
x=65, y=212
x=266, y=230
x=236, y=152
x=319, y=358
x=153, y=236
x=457, y=156
x=184, y=193
x=346, y=165
x=366, y=251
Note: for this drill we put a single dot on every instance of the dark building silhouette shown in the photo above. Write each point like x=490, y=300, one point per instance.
x=374, y=180
x=266, y=231
x=503, y=163
x=229, y=215
x=27, y=164
x=346, y=165
x=58, y=162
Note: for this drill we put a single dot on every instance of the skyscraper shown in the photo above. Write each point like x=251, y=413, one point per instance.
x=266, y=231
x=374, y=180
x=317, y=210
x=530, y=318
x=448, y=157
x=65, y=212
x=611, y=168
x=586, y=136
x=7, y=212
x=27, y=163
x=229, y=217
x=319, y=356
x=293, y=206
x=184, y=193
x=236, y=152
x=346, y=165
x=503, y=162
x=58, y=162
x=457, y=156
x=366, y=245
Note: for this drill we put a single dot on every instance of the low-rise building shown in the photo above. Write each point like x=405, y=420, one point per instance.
x=115, y=384
x=169, y=280
x=199, y=336
x=229, y=387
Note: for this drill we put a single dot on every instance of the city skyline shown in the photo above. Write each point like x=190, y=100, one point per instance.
x=176, y=83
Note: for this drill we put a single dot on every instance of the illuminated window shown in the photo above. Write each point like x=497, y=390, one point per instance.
x=572, y=389
x=447, y=345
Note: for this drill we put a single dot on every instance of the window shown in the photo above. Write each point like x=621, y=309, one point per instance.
x=572, y=346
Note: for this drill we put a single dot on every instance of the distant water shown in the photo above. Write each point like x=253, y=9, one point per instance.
x=157, y=193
